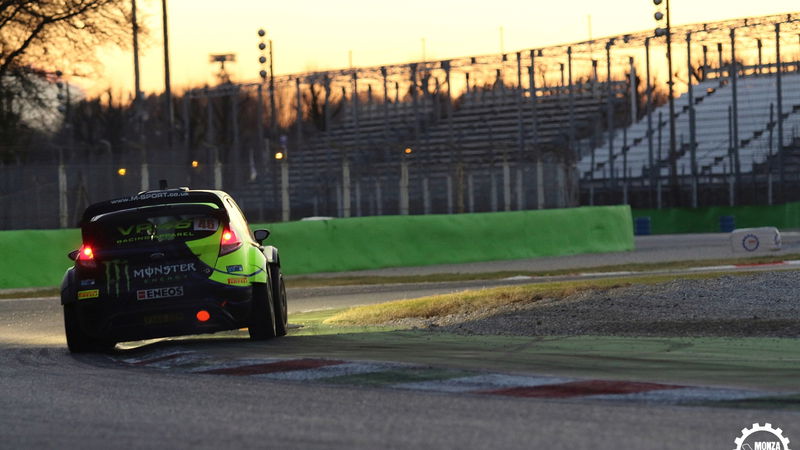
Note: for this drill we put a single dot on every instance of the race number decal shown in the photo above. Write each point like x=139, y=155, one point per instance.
x=205, y=224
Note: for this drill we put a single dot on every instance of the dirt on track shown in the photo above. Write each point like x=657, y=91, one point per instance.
x=757, y=305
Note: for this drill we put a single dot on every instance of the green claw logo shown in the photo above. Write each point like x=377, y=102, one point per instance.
x=119, y=268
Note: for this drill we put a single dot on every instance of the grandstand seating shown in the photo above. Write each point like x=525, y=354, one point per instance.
x=484, y=127
x=713, y=98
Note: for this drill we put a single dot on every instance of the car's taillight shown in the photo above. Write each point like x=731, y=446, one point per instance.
x=86, y=256
x=229, y=241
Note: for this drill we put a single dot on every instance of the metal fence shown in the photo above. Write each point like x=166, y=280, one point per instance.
x=55, y=195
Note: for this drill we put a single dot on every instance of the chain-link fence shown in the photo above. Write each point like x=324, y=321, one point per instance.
x=55, y=195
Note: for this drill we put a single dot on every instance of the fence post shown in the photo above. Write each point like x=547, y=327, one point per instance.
x=450, y=194
x=63, y=213
x=404, y=188
x=506, y=186
x=493, y=189
x=470, y=193
x=378, y=197
x=539, y=184
x=345, y=188
x=145, y=176
x=285, y=207
x=426, y=196
x=217, y=170
x=358, y=198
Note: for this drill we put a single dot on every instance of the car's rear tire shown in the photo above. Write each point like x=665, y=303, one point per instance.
x=262, y=315
x=279, y=300
x=77, y=340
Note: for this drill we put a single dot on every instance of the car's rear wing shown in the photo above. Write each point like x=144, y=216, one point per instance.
x=151, y=198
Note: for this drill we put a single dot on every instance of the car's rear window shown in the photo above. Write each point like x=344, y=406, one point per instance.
x=144, y=227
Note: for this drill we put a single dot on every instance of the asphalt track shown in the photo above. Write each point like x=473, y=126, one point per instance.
x=49, y=398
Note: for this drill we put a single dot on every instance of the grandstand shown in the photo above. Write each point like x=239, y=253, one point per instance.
x=757, y=97
x=481, y=135
x=715, y=153
x=530, y=129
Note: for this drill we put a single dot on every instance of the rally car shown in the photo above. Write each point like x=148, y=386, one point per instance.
x=167, y=263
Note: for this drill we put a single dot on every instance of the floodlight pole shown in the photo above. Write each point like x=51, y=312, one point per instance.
x=733, y=75
x=779, y=87
x=136, y=83
x=650, y=162
x=610, y=117
x=273, y=120
x=673, y=154
x=167, y=84
x=692, y=123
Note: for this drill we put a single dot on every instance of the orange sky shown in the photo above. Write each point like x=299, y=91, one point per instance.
x=312, y=35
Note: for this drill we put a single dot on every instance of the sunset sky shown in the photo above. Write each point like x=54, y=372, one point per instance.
x=315, y=35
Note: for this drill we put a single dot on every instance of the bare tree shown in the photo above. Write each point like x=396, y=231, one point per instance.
x=40, y=37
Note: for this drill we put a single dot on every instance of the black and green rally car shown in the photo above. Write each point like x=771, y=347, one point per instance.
x=167, y=263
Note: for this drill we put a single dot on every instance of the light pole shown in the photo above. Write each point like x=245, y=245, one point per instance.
x=63, y=107
x=673, y=156
x=167, y=83
x=262, y=60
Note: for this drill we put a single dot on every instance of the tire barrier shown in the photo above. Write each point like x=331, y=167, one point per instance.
x=641, y=226
x=755, y=240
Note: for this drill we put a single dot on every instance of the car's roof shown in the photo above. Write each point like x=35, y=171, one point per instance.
x=156, y=197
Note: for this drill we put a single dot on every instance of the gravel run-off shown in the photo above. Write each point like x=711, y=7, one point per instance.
x=758, y=305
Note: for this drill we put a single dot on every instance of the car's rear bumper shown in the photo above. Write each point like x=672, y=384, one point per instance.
x=127, y=319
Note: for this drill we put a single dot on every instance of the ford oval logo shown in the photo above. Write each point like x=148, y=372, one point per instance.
x=157, y=255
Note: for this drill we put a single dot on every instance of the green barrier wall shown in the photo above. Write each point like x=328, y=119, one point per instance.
x=373, y=242
x=394, y=241
x=706, y=220
x=32, y=258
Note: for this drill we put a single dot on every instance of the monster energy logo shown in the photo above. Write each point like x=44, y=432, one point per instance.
x=164, y=269
x=114, y=271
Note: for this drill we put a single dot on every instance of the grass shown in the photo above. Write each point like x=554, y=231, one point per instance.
x=477, y=301
x=351, y=280
x=314, y=323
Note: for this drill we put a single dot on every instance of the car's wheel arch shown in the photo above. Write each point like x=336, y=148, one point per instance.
x=68, y=289
x=273, y=257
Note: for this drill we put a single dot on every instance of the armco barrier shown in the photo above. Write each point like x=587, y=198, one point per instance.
x=708, y=220
x=373, y=242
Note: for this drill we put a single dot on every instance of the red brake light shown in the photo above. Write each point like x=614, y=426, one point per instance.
x=86, y=256
x=86, y=253
x=229, y=241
